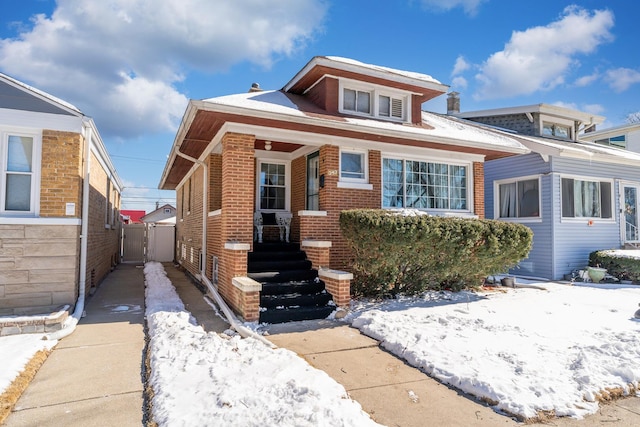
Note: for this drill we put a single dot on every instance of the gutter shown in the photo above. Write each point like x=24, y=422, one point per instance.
x=70, y=324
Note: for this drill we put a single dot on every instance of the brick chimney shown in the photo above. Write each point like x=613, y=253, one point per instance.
x=453, y=103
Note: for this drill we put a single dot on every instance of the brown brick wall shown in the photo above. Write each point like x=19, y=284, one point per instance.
x=334, y=200
x=104, y=228
x=189, y=225
x=61, y=176
x=215, y=182
x=298, y=194
x=478, y=189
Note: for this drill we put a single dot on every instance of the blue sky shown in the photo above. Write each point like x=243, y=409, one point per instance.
x=133, y=65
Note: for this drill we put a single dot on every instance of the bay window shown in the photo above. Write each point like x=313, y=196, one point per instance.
x=424, y=185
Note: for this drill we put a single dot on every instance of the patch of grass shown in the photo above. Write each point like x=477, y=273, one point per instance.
x=11, y=395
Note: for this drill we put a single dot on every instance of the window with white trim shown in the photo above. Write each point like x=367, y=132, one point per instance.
x=353, y=166
x=557, y=130
x=272, y=183
x=586, y=199
x=19, y=155
x=519, y=199
x=424, y=185
x=373, y=101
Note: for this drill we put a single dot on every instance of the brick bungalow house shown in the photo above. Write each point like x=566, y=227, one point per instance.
x=57, y=186
x=281, y=165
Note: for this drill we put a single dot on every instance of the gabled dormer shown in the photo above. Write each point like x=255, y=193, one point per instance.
x=348, y=87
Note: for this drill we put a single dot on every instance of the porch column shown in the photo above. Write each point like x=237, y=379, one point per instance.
x=478, y=189
x=236, y=214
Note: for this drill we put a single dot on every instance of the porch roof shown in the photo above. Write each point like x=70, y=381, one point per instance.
x=204, y=119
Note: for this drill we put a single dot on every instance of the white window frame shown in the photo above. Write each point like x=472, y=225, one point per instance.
x=287, y=183
x=365, y=166
x=496, y=198
x=448, y=162
x=36, y=159
x=583, y=218
x=375, y=92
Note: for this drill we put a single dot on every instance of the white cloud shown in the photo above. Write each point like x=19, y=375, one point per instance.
x=593, y=108
x=470, y=6
x=460, y=66
x=459, y=82
x=620, y=79
x=120, y=61
x=586, y=80
x=539, y=58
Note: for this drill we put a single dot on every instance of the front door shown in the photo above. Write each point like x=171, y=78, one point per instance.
x=313, y=182
x=630, y=213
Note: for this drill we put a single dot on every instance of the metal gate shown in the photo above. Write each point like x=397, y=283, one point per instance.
x=133, y=242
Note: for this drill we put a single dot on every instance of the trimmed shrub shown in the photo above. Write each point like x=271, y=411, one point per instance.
x=396, y=253
x=620, y=267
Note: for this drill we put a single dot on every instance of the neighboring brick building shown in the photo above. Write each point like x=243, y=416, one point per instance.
x=47, y=150
x=340, y=135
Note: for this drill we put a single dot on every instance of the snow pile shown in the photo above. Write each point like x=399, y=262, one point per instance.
x=525, y=350
x=16, y=351
x=201, y=378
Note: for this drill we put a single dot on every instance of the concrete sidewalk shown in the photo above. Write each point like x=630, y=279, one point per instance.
x=396, y=394
x=94, y=376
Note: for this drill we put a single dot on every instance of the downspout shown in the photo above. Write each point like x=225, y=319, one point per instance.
x=70, y=324
x=231, y=318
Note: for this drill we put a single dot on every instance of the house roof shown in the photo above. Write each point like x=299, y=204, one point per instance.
x=134, y=215
x=548, y=109
x=580, y=149
x=423, y=85
x=278, y=110
x=17, y=95
x=612, y=131
x=158, y=212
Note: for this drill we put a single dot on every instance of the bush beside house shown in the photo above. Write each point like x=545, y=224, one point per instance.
x=619, y=266
x=395, y=253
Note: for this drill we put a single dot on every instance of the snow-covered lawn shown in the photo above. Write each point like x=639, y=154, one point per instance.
x=201, y=378
x=524, y=350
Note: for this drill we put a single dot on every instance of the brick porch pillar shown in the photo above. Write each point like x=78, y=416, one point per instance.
x=236, y=222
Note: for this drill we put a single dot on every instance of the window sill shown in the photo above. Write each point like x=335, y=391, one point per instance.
x=355, y=185
x=530, y=220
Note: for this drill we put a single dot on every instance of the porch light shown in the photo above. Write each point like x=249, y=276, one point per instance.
x=267, y=145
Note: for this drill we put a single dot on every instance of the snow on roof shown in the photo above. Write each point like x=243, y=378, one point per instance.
x=582, y=147
x=409, y=74
x=41, y=93
x=442, y=126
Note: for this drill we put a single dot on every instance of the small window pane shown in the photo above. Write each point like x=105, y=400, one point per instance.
x=352, y=165
x=364, y=102
x=605, y=200
x=349, y=100
x=20, y=154
x=547, y=129
x=384, y=106
x=561, y=131
x=18, y=196
x=528, y=200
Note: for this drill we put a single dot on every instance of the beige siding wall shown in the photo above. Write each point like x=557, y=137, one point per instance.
x=39, y=264
x=38, y=267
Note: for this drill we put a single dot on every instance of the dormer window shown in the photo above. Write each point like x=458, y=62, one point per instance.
x=357, y=100
x=554, y=129
x=390, y=107
x=373, y=101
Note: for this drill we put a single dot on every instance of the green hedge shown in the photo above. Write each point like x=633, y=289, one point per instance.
x=622, y=268
x=400, y=254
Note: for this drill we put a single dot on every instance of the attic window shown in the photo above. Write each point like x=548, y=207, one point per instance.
x=370, y=100
x=390, y=107
x=553, y=129
x=357, y=100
